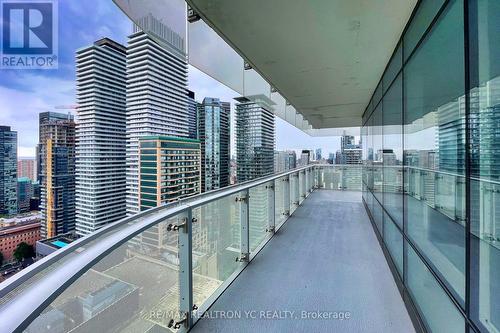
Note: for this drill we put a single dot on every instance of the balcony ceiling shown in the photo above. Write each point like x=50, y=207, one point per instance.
x=324, y=56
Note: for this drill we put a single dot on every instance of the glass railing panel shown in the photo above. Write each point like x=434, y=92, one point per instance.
x=460, y=193
x=414, y=183
x=445, y=194
x=351, y=178
x=133, y=288
x=331, y=178
x=378, y=180
x=428, y=187
x=73, y=255
x=485, y=244
x=393, y=193
x=294, y=192
x=216, y=245
x=302, y=186
x=279, y=201
x=258, y=216
x=394, y=241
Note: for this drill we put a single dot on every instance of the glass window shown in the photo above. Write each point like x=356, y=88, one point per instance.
x=426, y=12
x=484, y=124
x=392, y=154
x=377, y=153
x=434, y=141
x=394, y=241
x=437, y=310
x=393, y=68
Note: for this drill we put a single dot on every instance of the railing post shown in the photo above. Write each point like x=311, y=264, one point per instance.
x=299, y=191
x=186, y=270
x=297, y=188
x=244, y=200
x=271, y=206
x=307, y=183
x=286, y=196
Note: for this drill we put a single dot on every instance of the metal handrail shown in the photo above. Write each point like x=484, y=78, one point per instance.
x=202, y=198
x=18, y=313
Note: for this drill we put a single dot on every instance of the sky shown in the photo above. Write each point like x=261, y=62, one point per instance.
x=26, y=93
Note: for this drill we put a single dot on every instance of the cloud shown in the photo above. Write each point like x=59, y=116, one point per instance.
x=20, y=107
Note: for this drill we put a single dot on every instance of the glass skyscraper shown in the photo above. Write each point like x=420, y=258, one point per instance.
x=254, y=139
x=8, y=171
x=214, y=133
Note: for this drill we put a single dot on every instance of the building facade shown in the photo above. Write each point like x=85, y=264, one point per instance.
x=319, y=155
x=214, y=127
x=17, y=230
x=56, y=165
x=100, y=135
x=156, y=93
x=284, y=160
x=25, y=191
x=169, y=170
x=254, y=139
x=8, y=171
x=26, y=167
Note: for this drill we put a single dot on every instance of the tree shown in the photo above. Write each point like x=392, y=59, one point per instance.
x=23, y=251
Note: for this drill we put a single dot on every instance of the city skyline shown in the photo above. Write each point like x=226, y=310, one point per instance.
x=36, y=91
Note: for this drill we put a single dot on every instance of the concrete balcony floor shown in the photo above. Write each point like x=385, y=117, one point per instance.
x=325, y=258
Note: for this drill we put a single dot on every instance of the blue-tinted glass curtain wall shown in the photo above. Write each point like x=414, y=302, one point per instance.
x=431, y=175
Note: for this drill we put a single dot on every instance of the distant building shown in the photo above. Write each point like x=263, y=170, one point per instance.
x=214, y=135
x=232, y=171
x=169, y=170
x=100, y=135
x=8, y=171
x=426, y=159
x=338, y=157
x=254, y=139
x=387, y=156
x=305, y=157
x=24, y=194
x=192, y=115
x=35, y=198
x=56, y=160
x=318, y=154
x=331, y=158
x=284, y=160
x=350, y=152
x=26, y=167
x=17, y=230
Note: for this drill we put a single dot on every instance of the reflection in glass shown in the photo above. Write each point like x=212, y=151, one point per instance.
x=434, y=130
x=484, y=125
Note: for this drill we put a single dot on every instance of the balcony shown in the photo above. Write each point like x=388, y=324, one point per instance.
x=284, y=243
